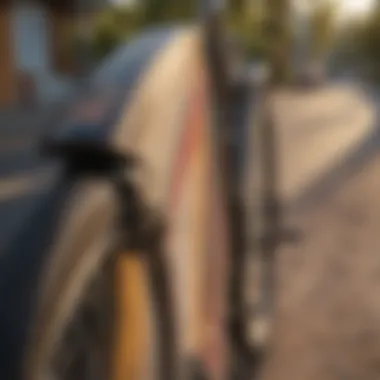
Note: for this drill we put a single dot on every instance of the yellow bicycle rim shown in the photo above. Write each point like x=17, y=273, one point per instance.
x=131, y=336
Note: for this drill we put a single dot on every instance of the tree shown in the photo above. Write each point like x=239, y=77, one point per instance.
x=237, y=6
x=112, y=27
x=370, y=43
x=361, y=43
x=348, y=46
x=322, y=29
x=157, y=11
x=247, y=23
x=278, y=35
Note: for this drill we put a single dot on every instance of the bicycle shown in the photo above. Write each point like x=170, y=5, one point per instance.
x=108, y=233
x=115, y=301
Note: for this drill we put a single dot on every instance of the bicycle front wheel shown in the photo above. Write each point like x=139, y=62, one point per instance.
x=97, y=313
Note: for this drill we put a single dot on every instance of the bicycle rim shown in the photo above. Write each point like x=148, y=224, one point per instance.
x=98, y=322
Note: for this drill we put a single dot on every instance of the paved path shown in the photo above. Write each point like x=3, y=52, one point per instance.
x=318, y=131
x=328, y=320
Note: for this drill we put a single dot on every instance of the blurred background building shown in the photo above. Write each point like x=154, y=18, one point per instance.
x=39, y=62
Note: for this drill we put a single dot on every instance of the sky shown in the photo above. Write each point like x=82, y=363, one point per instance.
x=352, y=7
x=347, y=7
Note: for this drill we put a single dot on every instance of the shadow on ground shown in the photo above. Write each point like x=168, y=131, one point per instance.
x=340, y=173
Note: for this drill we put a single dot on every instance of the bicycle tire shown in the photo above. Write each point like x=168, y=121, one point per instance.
x=85, y=245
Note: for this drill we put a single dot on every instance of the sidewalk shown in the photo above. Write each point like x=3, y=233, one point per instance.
x=328, y=322
x=328, y=319
x=317, y=131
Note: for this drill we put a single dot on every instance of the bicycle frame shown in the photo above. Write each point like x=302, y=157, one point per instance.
x=223, y=87
x=200, y=158
x=192, y=137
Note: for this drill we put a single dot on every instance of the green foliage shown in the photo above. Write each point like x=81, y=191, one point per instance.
x=106, y=38
x=322, y=29
x=183, y=10
x=116, y=25
x=112, y=27
x=248, y=27
x=159, y=11
x=360, y=44
x=237, y=6
x=349, y=42
x=370, y=41
x=278, y=37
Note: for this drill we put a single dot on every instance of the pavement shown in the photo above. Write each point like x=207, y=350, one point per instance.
x=317, y=131
x=328, y=312
x=328, y=317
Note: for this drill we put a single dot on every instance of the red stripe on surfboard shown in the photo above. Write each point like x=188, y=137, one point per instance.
x=190, y=138
x=216, y=345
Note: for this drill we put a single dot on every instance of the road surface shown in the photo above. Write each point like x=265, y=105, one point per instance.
x=328, y=316
x=318, y=131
